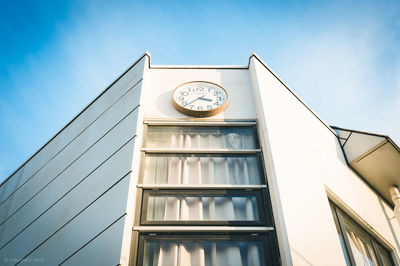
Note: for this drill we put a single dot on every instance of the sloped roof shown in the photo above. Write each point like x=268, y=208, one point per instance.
x=375, y=157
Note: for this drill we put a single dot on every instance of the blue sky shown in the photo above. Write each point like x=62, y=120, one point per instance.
x=341, y=57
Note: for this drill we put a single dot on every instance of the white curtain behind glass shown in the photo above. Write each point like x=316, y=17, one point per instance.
x=185, y=170
x=201, y=170
x=204, y=254
x=191, y=208
x=200, y=138
x=361, y=246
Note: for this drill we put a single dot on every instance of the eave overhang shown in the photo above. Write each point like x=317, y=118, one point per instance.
x=375, y=157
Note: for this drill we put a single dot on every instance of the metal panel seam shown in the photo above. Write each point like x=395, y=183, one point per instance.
x=62, y=195
x=73, y=119
x=66, y=145
x=76, y=158
x=74, y=216
x=92, y=239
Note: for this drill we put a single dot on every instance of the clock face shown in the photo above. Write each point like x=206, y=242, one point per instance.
x=199, y=98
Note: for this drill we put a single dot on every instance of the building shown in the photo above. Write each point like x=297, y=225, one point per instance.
x=263, y=181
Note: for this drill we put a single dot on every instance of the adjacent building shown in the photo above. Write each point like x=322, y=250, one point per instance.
x=203, y=165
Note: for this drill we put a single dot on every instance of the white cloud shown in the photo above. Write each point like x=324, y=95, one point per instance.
x=51, y=87
x=342, y=61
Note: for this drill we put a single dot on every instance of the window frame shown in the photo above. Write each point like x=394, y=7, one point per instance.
x=257, y=155
x=264, y=208
x=218, y=231
x=250, y=125
x=268, y=241
x=341, y=218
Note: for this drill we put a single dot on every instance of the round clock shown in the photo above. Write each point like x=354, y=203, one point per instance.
x=200, y=98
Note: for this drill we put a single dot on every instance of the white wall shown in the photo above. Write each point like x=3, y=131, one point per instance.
x=306, y=161
x=160, y=83
x=74, y=200
x=69, y=200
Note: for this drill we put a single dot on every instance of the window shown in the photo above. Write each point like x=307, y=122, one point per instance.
x=194, y=137
x=204, y=197
x=203, y=169
x=359, y=247
x=201, y=207
x=210, y=250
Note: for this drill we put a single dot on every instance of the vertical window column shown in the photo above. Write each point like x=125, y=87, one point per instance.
x=204, y=197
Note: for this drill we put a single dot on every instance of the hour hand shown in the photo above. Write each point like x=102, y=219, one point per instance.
x=205, y=99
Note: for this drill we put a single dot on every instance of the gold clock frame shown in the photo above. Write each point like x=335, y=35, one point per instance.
x=204, y=113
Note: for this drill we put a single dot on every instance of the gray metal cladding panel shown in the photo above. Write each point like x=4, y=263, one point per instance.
x=64, y=198
x=74, y=129
x=96, y=134
x=55, y=247
x=105, y=249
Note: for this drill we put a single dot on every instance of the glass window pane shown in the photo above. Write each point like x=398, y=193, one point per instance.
x=360, y=244
x=346, y=256
x=202, y=169
x=201, y=253
x=202, y=208
x=178, y=137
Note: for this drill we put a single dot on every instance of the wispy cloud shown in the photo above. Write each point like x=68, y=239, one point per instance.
x=348, y=71
x=52, y=86
x=342, y=58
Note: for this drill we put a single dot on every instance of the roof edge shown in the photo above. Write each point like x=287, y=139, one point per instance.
x=76, y=116
x=194, y=66
x=371, y=134
x=242, y=67
x=253, y=54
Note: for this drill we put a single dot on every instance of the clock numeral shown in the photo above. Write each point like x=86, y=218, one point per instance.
x=199, y=97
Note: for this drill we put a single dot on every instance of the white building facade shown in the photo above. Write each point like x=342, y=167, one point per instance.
x=133, y=181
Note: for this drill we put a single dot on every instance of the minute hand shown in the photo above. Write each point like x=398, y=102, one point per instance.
x=194, y=100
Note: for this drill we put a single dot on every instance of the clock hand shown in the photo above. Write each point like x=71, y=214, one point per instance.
x=194, y=100
x=205, y=99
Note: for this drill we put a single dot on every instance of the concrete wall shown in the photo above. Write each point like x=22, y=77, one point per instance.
x=306, y=164
x=69, y=201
